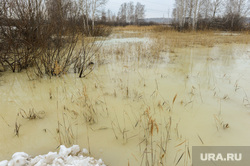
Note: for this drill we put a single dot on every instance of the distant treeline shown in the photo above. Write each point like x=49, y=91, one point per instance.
x=211, y=14
x=187, y=15
x=128, y=14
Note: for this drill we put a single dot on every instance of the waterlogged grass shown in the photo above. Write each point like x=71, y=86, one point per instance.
x=146, y=103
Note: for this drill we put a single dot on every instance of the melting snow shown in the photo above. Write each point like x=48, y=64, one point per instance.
x=72, y=156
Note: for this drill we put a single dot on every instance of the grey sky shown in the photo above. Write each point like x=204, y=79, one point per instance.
x=154, y=8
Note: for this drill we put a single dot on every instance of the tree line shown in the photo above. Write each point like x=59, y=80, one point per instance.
x=211, y=14
x=128, y=14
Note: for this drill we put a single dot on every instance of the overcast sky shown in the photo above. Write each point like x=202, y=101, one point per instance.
x=154, y=8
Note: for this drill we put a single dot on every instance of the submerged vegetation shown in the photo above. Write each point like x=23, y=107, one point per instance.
x=142, y=93
x=148, y=93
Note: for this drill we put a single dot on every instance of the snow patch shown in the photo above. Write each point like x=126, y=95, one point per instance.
x=72, y=156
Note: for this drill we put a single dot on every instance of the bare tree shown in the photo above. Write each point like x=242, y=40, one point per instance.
x=122, y=14
x=109, y=16
x=22, y=31
x=196, y=11
x=57, y=55
x=130, y=12
x=114, y=18
x=44, y=34
x=216, y=4
x=90, y=9
x=104, y=16
x=214, y=13
x=84, y=9
x=182, y=8
x=86, y=55
x=95, y=6
x=235, y=12
x=139, y=12
x=206, y=9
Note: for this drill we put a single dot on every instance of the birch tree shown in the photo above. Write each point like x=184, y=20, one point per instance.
x=206, y=9
x=95, y=8
x=139, y=12
x=179, y=8
x=215, y=7
x=236, y=11
x=130, y=12
x=122, y=14
x=183, y=11
x=217, y=13
x=109, y=15
x=90, y=9
x=196, y=12
x=84, y=6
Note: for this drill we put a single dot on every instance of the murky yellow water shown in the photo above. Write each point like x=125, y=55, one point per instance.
x=125, y=111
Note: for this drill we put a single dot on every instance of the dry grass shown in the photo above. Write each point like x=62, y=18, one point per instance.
x=163, y=39
x=175, y=39
x=135, y=28
x=31, y=114
x=204, y=38
x=132, y=31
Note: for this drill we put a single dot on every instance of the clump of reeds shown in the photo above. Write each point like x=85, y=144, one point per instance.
x=17, y=128
x=122, y=131
x=64, y=130
x=183, y=154
x=220, y=124
x=89, y=112
x=150, y=126
x=31, y=114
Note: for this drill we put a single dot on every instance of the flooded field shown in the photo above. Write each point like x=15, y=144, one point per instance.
x=133, y=109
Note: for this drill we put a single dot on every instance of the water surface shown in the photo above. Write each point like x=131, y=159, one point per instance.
x=193, y=96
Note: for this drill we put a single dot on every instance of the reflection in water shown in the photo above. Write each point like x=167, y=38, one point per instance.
x=125, y=111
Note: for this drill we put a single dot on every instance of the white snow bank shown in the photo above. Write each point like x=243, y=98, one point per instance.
x=72, y=156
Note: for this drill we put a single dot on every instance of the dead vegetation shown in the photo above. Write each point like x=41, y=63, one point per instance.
x=65, y=130
x=17, y=128
x=31, y=114
x=220, y=124
x=44, y=35
x=175, y=39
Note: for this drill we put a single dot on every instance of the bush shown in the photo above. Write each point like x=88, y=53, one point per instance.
x=44, y=34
